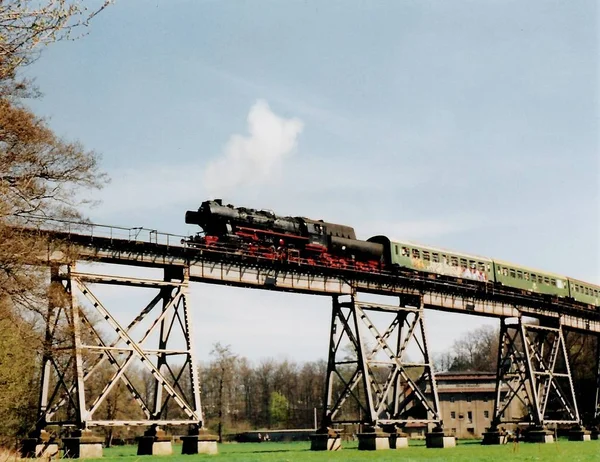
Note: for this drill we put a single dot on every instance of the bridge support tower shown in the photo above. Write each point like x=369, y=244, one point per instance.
x=533, y=370
x=93, y=363
x=370, y=380
x=596, y=421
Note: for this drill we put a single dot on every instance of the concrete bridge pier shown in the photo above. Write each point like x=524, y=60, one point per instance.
x=199, y=441
x=155, y=442
x=326, y=439
x=398, y=439
x=373, y=438
x=494, y=435
x=438, y=438
x=580, y=433
x=39, y=444
x=82, y=444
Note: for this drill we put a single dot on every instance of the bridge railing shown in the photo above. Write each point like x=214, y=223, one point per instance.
x=93, y=230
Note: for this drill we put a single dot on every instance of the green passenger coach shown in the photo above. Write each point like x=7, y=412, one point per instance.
x=521, y=277
x=432, y=260
x=415, y=257
x=584, y=292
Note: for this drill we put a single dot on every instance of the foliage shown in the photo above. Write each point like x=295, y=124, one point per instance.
x=583, y=361
x=39, y=174
x=278, y=408
x=17, y=373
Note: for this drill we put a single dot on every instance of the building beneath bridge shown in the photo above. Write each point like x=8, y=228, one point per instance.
x=467, y=402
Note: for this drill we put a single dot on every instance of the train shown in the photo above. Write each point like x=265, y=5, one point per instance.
x=263, y=234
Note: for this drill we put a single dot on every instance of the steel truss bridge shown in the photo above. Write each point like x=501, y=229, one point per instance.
x=379, y=368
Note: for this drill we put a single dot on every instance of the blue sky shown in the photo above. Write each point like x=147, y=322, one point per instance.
x=467, y=125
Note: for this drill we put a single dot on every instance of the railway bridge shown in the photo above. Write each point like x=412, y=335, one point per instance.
x=373, y=382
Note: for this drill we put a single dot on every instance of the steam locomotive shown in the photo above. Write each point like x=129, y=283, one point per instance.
x=262, y=233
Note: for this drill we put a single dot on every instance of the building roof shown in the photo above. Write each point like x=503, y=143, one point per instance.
x=465, y=375
x=466, y=390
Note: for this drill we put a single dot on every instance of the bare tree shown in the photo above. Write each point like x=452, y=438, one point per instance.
x=475, y=351
x=26, y=26
x=39, y=174
x=222, y=369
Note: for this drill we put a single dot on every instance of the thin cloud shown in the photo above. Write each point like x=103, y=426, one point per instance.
x=251, y=160
x=419, y=230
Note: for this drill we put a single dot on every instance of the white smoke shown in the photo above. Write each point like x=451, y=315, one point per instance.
x=254, y=159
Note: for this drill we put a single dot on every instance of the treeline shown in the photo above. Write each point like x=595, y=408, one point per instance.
x=475, y=351
x=240, y=395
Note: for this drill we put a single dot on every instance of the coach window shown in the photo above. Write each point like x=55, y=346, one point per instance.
x=519, y=274
x=405, y=252
x=526, y=276
x=576, y=287
x=505, y=271
x=553, y=282
x=463, y=262
x=586, y=290
x=512, y=273
x=533, y=277
x=453, y=414
x=416, y=253
x=396, y=249
x=435, y=257
x=426, y=255
x=547, y=281
x=454, y=261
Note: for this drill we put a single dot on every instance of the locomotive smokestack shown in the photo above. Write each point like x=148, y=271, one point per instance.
x=192, y=217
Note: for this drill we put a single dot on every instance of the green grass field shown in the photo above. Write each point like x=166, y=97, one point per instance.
x=465, y=451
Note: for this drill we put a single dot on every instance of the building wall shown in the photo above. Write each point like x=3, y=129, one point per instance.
x=466, y=416
x=467, y=403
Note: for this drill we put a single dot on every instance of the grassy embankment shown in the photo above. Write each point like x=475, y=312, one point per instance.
x=293, y=452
